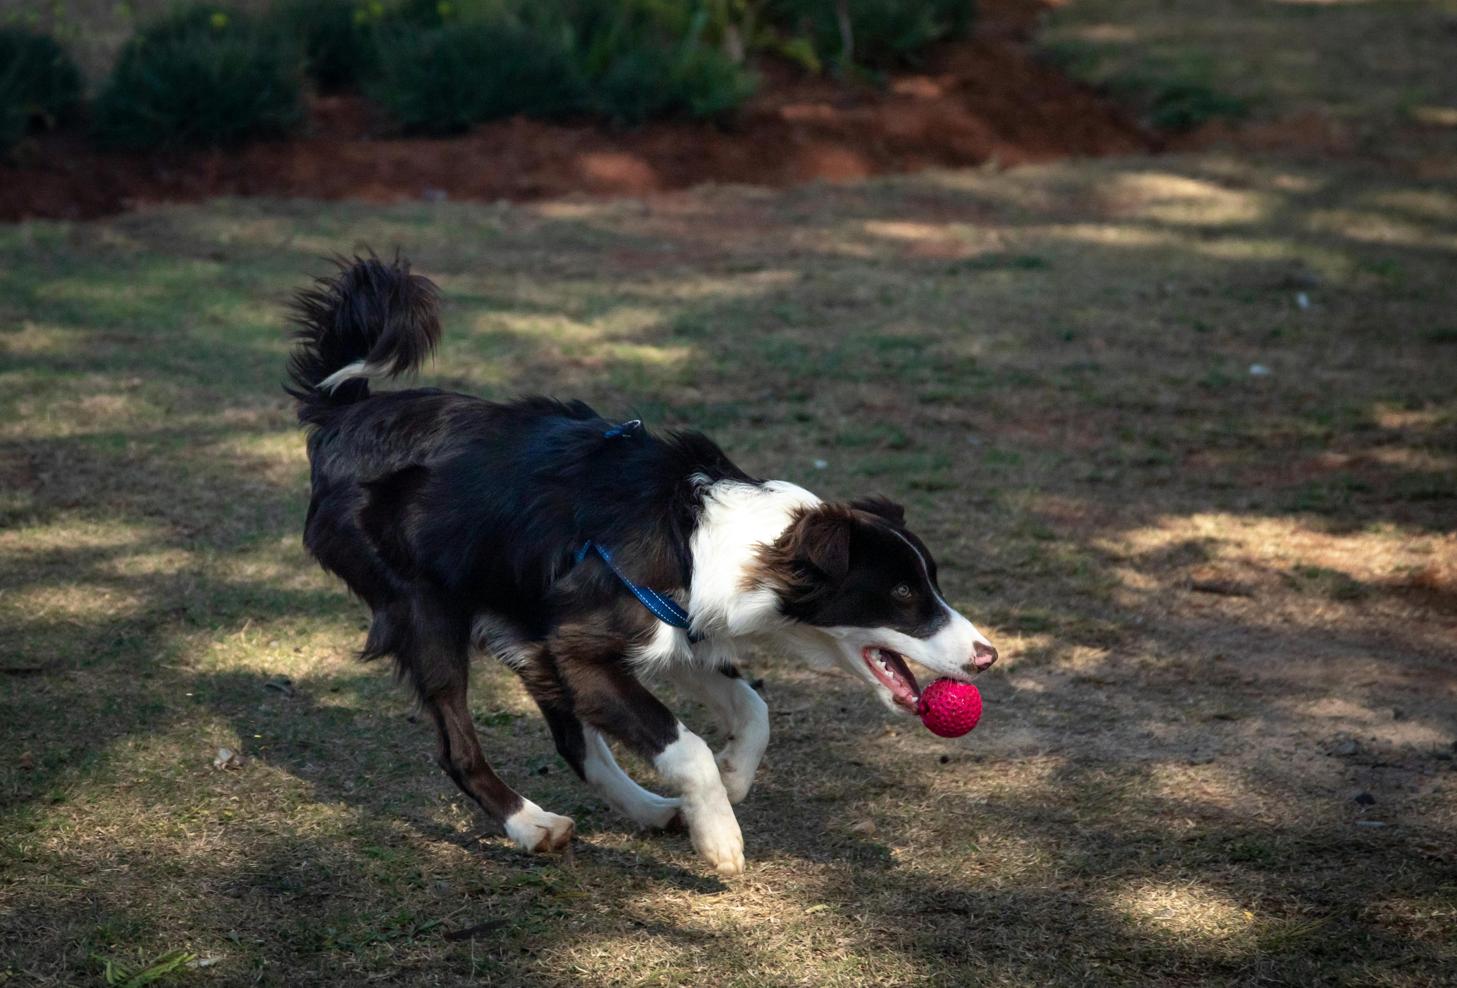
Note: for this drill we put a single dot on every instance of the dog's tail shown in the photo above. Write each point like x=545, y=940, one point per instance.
x=371, y=320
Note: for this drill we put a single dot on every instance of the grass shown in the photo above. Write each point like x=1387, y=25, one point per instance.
x=1151, y=796
x=1226, y=602
x=1366, y=75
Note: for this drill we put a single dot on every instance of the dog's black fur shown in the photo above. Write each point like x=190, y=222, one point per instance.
x=438, y=508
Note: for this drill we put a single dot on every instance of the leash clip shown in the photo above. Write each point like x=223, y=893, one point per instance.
x=627, y=428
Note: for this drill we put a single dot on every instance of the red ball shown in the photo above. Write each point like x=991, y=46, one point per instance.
x=949, y=708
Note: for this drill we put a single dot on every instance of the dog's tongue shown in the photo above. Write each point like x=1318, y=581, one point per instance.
x=899, y=671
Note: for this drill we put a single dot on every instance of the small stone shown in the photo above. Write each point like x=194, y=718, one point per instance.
x=1259, y=370
x=1370, y=824
x=225, y=758
x=25, y=762
x=1398, y=714
x=1345, y=748
x=866, y=826
x=1201, y=759
x=1365, y=799
x=280, y=684
x=821, y=464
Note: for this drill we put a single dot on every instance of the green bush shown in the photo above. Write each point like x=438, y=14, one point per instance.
x=206, y=76
x=884, y=33
x=441, y=80
x=648, y=58
x=336, y=37
x=625, y=60
x=1185, y=104
x=656, y=81
x=39, y=83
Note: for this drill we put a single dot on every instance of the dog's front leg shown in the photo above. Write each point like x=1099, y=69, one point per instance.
x=688, y=766
x=743, y=715
x=609, y=698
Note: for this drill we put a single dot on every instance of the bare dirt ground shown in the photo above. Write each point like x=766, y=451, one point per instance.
x=1181, y=429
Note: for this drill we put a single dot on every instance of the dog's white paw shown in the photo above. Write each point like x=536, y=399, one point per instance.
x=538, y=831
x=716, y=836
x=737, y=784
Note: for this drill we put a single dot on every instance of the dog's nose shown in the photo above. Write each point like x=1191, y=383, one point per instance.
x=983, y=656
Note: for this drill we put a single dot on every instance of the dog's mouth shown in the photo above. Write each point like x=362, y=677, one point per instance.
x=891, y=670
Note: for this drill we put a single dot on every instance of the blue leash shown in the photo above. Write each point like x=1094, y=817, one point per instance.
x=661, y=606
x=664, y=608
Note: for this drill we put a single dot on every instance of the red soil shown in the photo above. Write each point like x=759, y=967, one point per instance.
x=983, y=100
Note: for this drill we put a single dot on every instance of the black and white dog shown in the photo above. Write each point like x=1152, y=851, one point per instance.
x=586, y=554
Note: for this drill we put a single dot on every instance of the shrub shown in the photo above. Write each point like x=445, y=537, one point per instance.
x=624, y=60
x=206, y=76
x=1185, y=104
x=442, y=80
x=648, y=59
x=883, y=33
x=336, y=38
x=39, y=83
x=656, y=81
x=12, y=122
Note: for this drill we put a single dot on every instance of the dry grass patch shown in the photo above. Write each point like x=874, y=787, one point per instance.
x=1224, y=598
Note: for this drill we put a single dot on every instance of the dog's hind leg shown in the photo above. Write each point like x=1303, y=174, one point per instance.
x=434, y=654
x=743, y=715
x=586, y=751
x=460, y=755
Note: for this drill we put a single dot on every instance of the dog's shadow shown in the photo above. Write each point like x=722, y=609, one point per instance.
x=296, y=727
x=402, y=783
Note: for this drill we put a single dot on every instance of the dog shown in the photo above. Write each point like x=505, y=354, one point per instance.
x=586, y=555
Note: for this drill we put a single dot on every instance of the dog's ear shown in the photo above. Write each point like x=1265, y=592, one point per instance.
x=883, y=507
x=819, y=544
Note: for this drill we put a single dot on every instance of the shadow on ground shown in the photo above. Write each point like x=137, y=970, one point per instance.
x=1225, y=595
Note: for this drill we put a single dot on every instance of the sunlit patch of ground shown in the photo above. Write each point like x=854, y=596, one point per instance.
x=1226, y=599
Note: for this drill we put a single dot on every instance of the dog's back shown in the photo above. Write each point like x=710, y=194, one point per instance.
x=483, y=503
x=583, y=553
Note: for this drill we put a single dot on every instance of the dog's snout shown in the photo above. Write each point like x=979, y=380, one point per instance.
x=983, y=655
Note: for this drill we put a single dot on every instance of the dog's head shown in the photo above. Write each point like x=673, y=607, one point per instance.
x=860, y=587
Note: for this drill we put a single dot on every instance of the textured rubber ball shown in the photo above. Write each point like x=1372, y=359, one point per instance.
x=949, y=708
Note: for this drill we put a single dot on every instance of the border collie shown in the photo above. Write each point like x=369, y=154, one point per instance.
x=587, y=555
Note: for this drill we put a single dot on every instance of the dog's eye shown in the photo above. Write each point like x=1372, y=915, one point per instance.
x=902, y=591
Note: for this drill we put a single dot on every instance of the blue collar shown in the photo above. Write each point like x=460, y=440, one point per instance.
x=662, y=607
